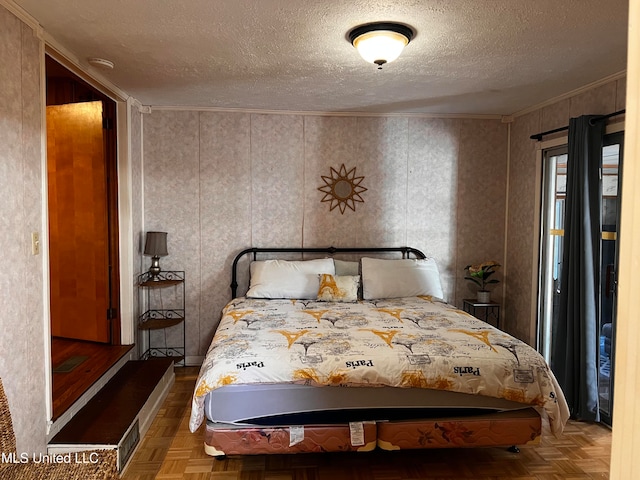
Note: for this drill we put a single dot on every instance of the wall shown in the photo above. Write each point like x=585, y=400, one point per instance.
x=219, y=182
x=22, y=342
x=522, y=227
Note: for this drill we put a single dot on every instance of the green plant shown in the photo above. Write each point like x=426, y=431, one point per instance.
x=480, y=274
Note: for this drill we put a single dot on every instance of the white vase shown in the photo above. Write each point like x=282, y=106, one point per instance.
x=484, y=296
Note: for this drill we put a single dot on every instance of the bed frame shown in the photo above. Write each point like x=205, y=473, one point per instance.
x=504, y=429
x=405, y=251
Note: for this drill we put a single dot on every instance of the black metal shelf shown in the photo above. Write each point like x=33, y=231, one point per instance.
x=156, y=319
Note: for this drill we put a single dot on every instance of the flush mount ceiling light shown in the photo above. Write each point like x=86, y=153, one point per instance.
x=380, y=42
x=101, y=63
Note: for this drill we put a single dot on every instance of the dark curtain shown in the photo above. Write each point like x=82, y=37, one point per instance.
x=574, y=355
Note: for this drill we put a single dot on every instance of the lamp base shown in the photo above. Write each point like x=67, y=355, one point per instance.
x=154, y=269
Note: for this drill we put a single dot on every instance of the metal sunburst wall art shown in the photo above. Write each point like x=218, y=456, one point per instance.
x=342, y=189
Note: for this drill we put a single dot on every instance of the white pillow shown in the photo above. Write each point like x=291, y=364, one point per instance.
x=287, y=279
x=400, y=278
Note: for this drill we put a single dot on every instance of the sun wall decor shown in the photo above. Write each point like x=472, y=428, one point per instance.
x=342, y=189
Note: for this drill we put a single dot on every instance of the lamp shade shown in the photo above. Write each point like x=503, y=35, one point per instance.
x=156, y=244
x=380, y=43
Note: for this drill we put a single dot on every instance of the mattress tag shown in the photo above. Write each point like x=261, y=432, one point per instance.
x=357, y=433
x=296, y=435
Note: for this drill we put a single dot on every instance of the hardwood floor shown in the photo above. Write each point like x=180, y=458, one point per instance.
x=105, y=419
x=68, y=387
x=170, y=451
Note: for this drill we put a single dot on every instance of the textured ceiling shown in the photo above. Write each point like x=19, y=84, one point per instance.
x=468, y=57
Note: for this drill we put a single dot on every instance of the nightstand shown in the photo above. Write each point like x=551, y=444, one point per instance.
x=163, y=321
x=488, y=312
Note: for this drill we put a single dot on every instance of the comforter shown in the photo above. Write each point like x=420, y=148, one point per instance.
x=415, y=342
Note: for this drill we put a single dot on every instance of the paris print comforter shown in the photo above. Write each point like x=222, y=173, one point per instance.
x=416, y=342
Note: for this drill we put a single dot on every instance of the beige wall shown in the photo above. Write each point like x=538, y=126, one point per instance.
x=524, y=185
x=221, y=182
x=22, y=341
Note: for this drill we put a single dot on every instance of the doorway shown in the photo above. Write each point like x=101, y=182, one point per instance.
x=83, y=234
x=552, y=225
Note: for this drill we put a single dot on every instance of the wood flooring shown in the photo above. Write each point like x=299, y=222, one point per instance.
x=108, y=415
x=170, y=451
x=69, y=387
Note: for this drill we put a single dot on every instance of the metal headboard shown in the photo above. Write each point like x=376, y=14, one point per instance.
x=406, y=252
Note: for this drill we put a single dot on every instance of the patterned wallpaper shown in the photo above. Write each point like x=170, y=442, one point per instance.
x=220, y=182
x=21, y=299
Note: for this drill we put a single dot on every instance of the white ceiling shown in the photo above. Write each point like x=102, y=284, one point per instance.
x=468, y=57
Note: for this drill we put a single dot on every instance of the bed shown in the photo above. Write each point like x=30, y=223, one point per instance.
x=324, y=354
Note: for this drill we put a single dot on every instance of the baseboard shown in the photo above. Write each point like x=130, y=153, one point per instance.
x=193, y=360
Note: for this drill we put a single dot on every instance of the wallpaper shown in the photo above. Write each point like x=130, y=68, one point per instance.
x=21, y=296
x=220, y=182
x=172, y=205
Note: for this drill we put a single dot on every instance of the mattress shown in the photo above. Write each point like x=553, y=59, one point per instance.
x=273, y=358
x=299, y=404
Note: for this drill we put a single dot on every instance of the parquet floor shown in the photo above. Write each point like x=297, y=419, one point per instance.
x=170, y=451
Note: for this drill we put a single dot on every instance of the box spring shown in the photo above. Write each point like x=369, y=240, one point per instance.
x=249, y=440
x=519, y=427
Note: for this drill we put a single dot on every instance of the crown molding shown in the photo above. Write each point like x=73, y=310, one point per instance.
x=135, y=103
x=327, y=114
x=572, y=93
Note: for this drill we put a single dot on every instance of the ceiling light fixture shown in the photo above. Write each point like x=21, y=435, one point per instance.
x=380, y=42
x=101, y=63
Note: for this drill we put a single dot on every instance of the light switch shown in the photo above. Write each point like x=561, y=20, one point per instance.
x=35, y=243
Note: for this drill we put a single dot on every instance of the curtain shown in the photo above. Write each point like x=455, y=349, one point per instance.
x=574, y=355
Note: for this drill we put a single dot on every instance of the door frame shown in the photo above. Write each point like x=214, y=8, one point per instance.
x=124, y=105
x=612, y=138
x=548, y=199
x=537, y=240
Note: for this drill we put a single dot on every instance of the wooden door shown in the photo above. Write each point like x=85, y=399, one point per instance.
x=78, y=222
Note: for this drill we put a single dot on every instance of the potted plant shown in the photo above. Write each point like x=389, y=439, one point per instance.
x=481, y=275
